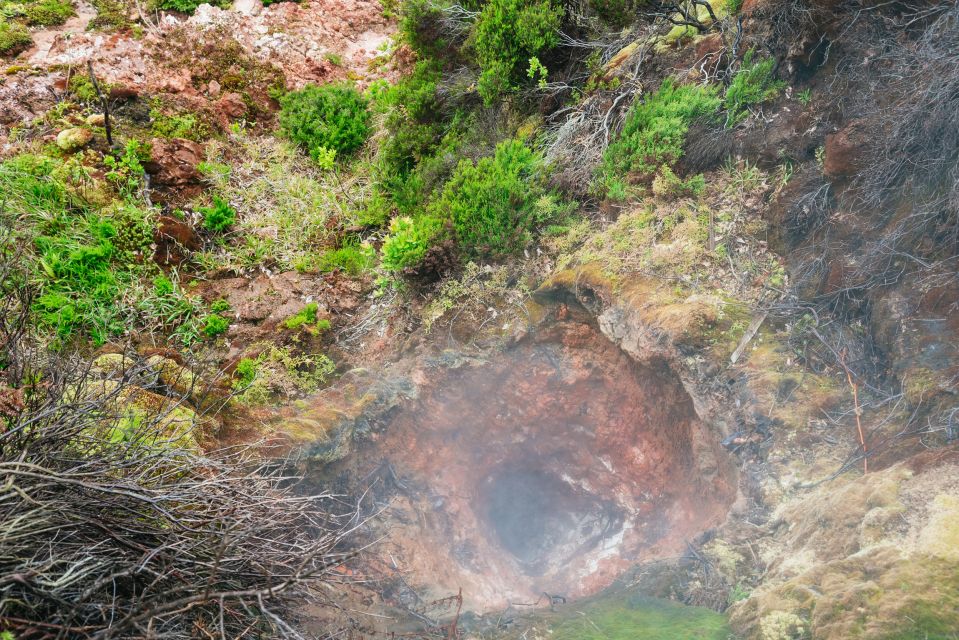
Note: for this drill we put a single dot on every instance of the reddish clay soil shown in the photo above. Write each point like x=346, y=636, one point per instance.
x=553, y=468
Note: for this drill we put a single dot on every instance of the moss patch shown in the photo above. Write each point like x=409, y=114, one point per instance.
x=632, y=617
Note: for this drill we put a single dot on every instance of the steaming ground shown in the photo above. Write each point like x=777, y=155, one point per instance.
x=553, y=467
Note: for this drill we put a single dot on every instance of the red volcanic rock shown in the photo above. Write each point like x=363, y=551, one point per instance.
x=124, y=92
x=231, y=106
x=174, y=162
x=170, y=229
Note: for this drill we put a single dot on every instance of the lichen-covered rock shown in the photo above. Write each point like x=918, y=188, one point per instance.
x=74, y=138
x=182, y=382
x=111, y=363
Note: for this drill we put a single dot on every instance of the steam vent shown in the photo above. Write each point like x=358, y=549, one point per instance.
x=552, y=467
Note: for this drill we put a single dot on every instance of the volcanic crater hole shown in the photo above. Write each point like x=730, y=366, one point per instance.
x=558, y=463
x=540, y=517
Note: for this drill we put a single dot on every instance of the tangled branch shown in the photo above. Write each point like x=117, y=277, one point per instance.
x=113, y=524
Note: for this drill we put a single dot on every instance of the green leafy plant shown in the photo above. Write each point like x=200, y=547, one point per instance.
x=409, y=241
x=305, y=316
x=126, y=171
x=804, y=97
x=537, y=72
x=753, y=84
x=496, y=203
x=329, y=117
x=245, y=373
x=508, y=33
x=219, y=217
x=655, y=129
x=214, y=325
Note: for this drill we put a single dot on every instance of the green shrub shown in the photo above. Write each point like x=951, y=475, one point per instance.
x=409, y=241
x=214, y=325
x=411, y=113
x=496, y=203
x=753, y=84
x=506, y=35
x=189, y=6
x=655, y=129
x=14, y=37
x=419, y=27
x=219, y=217
x=329, y=117
x=618, y=13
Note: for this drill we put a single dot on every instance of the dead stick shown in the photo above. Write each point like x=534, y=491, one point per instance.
x=855, y=399
x=103, y=103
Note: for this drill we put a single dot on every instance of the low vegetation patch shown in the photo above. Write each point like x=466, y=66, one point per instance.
x=14, y=37
x=285, y=206
x=39, y=13
x=189, y=6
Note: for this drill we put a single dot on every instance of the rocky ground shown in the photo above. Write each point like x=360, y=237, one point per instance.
x=759, y=429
